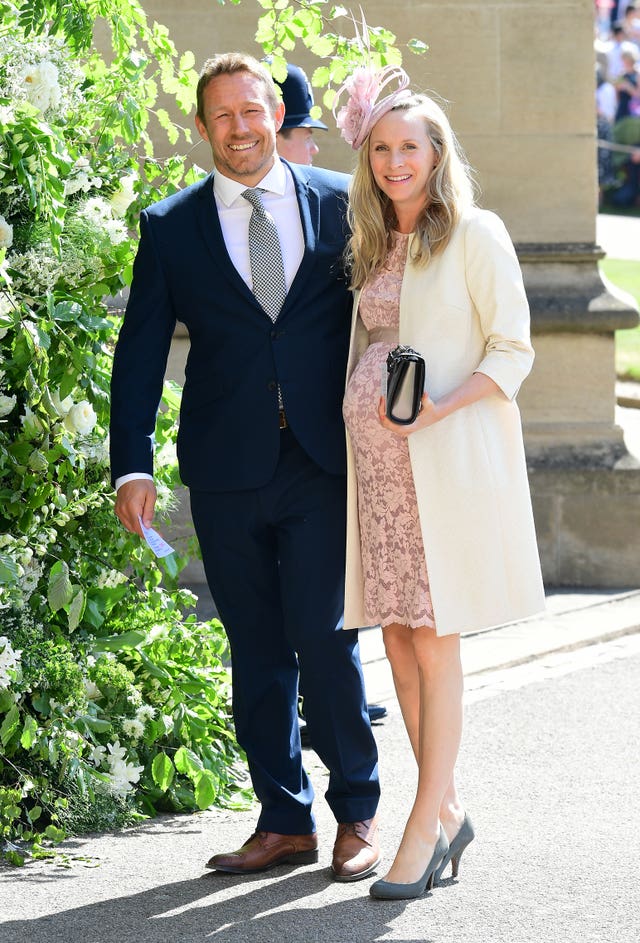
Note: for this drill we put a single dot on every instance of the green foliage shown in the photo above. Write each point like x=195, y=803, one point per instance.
x=104, y=679
x=320, y=27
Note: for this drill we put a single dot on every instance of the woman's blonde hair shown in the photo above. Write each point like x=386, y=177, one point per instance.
x=449, y=191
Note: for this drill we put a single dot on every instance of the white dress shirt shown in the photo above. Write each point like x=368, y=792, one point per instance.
x=279, y=200
x=281, y=203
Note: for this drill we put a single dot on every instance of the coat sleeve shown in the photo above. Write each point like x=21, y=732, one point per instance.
x=494, y=282
x=139, y=363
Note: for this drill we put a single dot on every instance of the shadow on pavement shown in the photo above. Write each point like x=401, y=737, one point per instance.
x=218, y=907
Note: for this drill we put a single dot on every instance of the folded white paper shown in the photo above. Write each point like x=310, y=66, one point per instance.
x=157, y=543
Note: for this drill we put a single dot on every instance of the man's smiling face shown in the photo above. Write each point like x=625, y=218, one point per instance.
x=240, y=125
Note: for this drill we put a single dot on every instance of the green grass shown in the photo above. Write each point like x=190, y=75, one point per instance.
x=626, y=275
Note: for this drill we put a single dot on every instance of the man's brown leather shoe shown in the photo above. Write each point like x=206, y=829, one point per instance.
x=356, y=853
x=265, y=850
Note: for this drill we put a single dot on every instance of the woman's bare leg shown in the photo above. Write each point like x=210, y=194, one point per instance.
x=440, y=728
x=398, y=643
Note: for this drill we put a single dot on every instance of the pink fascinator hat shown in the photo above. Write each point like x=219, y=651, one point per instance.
x=364, y=106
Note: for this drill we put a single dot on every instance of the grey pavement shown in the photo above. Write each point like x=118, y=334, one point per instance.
x=549, y=769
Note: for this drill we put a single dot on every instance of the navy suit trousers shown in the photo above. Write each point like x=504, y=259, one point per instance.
x=274, y=559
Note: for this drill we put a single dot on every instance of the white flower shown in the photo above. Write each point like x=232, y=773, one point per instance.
x=9, y=661
x=82, y=182
x=40, y=83
x=92, y=691
x=31, y=577
x=76, y=183
x=7, y=403
x=116, y=230
x=80, y=178
x=116, y=752
x=6, y=234
x=145, y=712
x=124, y=775
x=48, y=73
x=62, y=406
x=133, y=728
x=81, y=418
x=7, y=303
x=110, y=578
x=122, y=198
x=97, y=755
x=26, y=556
x=96, y=209
x=30, y=75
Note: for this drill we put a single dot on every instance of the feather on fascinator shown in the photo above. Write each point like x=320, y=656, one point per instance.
x=364, y=107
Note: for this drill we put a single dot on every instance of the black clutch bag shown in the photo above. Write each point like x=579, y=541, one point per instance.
x=405, y=384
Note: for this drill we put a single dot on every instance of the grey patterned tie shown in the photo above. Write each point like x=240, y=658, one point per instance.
x=265, y=256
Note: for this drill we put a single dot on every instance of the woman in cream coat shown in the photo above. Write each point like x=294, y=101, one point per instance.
x=462, y=305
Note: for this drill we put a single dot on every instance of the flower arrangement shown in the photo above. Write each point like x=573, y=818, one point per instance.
x=114, y=698
x=364, y=107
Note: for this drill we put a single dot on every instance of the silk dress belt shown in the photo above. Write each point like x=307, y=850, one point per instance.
x=384, y=335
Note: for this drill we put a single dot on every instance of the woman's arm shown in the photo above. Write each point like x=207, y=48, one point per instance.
x=495, y=286
x=477, y=387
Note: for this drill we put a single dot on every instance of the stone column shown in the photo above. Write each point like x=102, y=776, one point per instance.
x=519, y=79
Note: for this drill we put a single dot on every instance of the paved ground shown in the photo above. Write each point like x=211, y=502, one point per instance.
x=549, y=768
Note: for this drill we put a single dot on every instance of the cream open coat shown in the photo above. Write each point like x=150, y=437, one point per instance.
x=465, y=312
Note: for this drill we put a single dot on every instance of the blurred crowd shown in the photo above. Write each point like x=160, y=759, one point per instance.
x=617, y=46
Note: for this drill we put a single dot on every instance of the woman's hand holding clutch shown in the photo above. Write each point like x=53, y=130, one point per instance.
x=427, y=415
x=475, y=388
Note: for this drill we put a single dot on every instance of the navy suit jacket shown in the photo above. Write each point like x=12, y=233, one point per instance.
x=229, y=435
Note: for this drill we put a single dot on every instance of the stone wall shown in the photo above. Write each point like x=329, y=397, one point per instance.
x=518, y=76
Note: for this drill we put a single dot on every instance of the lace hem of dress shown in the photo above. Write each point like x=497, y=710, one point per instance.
x=394, y=618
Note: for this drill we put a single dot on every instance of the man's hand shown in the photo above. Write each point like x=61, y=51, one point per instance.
x=135, y=498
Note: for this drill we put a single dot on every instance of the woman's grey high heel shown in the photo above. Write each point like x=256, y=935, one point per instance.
x=458, y=844
x=389, y=890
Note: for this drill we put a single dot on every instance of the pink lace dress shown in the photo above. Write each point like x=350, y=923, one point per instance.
x=396, y=585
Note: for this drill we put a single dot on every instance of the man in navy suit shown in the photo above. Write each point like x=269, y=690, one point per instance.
x=261, y=448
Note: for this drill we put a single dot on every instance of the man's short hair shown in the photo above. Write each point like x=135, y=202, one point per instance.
x=230, y=63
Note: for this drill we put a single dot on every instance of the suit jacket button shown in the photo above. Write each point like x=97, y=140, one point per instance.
x=272, y=385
